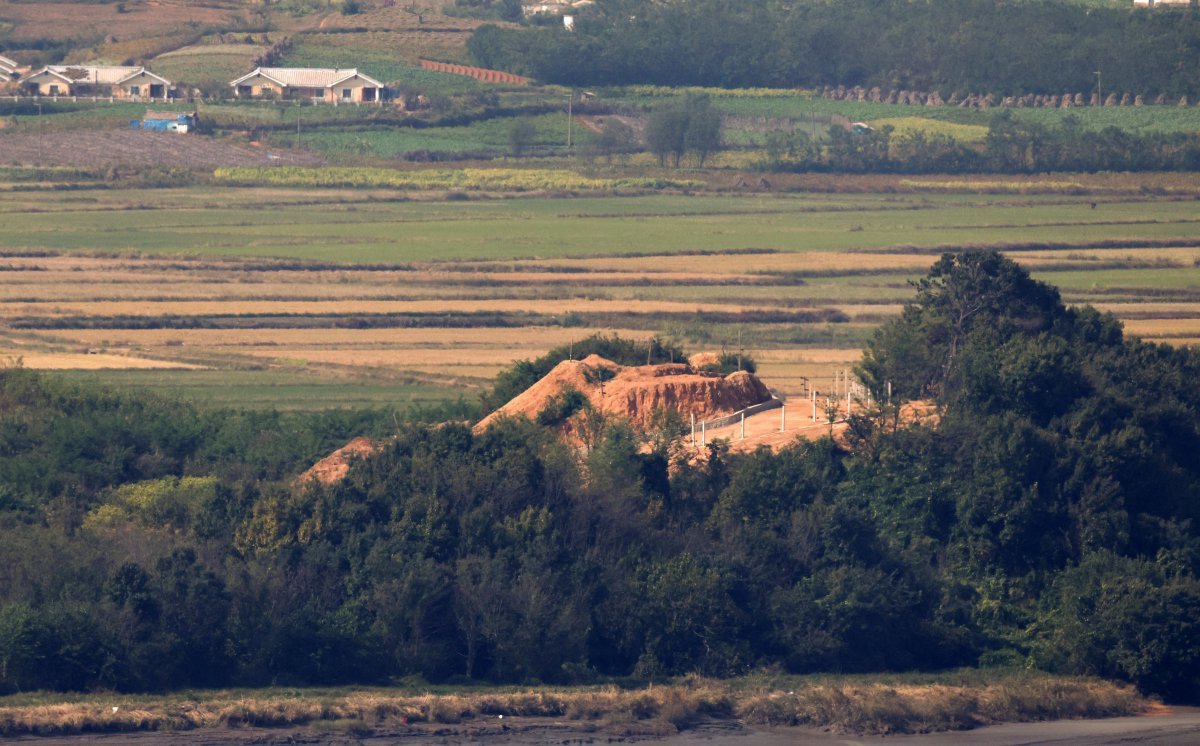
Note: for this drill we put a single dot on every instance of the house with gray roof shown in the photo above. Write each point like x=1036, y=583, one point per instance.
x=118, y=81
x=332, y=85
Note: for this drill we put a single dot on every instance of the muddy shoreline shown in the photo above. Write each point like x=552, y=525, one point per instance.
x=1162, y=726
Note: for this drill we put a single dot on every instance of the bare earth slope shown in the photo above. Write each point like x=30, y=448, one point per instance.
x=334, y=467
x=636, y=393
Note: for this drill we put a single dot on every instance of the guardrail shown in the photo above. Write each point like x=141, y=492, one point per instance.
x=17, y=98
x=305, y=101
x=775, y=402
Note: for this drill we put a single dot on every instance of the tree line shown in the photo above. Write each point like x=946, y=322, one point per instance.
x=1013, y=145
x=969, y=45
x=1049, y=519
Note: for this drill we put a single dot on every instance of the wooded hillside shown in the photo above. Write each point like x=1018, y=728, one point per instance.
x=1049, y=520
x=970, y=45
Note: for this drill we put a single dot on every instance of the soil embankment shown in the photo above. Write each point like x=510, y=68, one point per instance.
x=694, y=711
x=637, y=393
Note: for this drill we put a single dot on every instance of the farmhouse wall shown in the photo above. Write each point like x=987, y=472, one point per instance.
x=259, y=86
x=359, y=90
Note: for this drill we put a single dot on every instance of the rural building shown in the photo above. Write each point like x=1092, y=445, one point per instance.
x=554, y=7
x=9, y=69
x=332, y=85
x=1155, y=3
x=167, y=121
x=135, y=83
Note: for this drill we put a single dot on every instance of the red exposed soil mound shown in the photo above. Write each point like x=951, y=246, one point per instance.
x=478, y=73
x=635, y=393
x=335, y=466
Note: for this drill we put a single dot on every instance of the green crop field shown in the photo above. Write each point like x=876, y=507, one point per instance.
x=489, y=136
x=398, y=232
x=800, y=106
x=378, y=61
x=273, y=389
x=208, y=64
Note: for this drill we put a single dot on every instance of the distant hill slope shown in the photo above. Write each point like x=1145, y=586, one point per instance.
x=210, y=34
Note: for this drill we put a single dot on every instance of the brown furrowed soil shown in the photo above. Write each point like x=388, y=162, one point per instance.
x=128, y=147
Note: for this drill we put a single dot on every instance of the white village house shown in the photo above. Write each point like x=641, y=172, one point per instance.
x=118, y=81
x=327, y=84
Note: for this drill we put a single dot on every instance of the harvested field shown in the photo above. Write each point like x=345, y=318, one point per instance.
x=126, y=147
x=811, y=262
x=1164, y=328
x=85, y=361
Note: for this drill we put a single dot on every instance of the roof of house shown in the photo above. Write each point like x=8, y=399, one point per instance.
x=52, y=73
x=97, y=74
x=307, y=77
x=7, y=62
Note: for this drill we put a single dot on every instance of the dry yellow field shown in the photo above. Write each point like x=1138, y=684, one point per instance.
x=724, y=264
x=1178, y=256
x=85, y=361
x=1163, y=328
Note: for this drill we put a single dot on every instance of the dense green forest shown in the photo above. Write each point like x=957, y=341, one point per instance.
x=1048, y=520
x=966, y=45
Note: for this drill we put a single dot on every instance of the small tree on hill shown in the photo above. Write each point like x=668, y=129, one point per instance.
x=679, y=127
x=520, y=137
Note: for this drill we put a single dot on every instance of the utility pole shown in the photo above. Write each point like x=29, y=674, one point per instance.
x=1099, y=93
x=297, y=125
x=570, y=114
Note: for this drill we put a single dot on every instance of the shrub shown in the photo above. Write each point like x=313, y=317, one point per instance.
x=560, y=408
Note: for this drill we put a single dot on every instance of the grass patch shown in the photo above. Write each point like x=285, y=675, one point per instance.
x=276, y=389
x=473, y=179
x=376, y=60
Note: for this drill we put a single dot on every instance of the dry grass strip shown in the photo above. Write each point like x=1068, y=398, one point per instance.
x=840, y=705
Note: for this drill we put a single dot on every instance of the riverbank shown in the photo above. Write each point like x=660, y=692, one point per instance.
x=840, y=704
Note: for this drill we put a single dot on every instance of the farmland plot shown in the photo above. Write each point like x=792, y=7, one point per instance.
x=123, y=147
x=325, y=297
